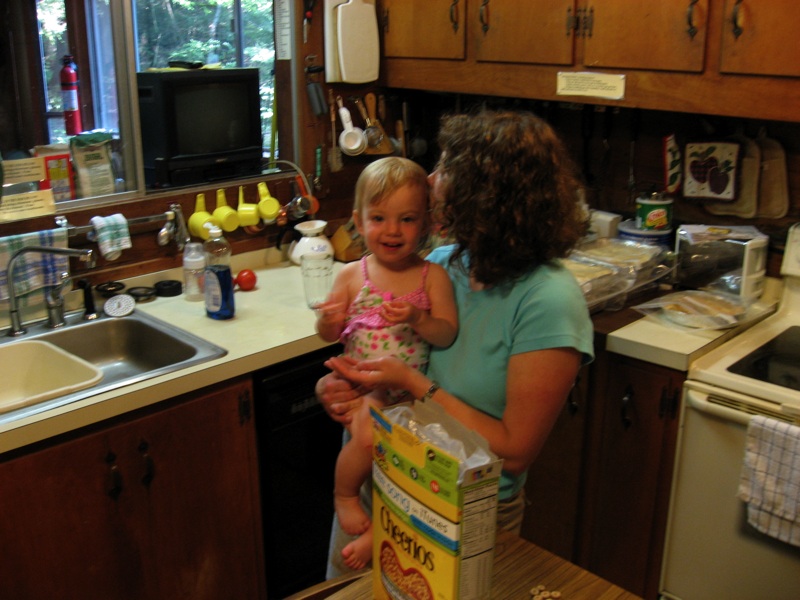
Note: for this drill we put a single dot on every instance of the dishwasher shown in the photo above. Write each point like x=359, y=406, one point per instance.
x=297, y=444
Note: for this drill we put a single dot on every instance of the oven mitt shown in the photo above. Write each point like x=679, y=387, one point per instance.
x=773, y=189
x=746, y=202
x=673, y=165
x=711, y=171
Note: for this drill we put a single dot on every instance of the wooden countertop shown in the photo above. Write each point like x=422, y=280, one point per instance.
x=518, y=566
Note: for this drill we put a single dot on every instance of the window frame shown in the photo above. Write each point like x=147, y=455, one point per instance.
x=34, y=117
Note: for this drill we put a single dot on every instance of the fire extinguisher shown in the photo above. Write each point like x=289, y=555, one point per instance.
x=69, y=96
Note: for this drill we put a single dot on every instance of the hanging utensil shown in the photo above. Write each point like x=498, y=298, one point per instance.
x=374, y=135
x=335, y=153
x=587, y=128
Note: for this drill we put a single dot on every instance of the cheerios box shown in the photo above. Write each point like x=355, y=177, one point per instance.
x=434, y=512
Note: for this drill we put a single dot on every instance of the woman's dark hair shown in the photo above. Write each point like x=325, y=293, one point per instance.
x=511, y=193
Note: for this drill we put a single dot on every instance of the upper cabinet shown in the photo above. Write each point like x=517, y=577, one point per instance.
x=669, y=35
x=760, y=39
x=430, y=29
x=724, y=57
x=534, y=32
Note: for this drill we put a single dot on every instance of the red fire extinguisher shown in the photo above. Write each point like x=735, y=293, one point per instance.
x=69, y=96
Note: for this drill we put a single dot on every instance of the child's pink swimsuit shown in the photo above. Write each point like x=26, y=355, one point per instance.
x=368, y=335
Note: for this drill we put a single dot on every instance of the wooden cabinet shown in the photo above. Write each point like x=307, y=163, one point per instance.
x=423, y=29
x=760, y=39
x=669, y=35
x=532, y=32
x=599, y=491
x=628, y=475
x=161, y=505
x=554, y=484
x=676, y=55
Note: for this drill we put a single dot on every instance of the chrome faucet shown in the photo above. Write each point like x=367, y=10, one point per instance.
x=53, y=295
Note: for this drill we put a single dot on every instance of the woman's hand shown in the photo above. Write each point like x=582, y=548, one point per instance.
x=379, y=373
x=339, y=397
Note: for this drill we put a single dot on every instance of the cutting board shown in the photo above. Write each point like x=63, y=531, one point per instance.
x=357, y=41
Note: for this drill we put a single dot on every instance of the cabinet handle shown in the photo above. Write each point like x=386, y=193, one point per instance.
x=692, y=31
x=386, y=20
x=626, y=404
x=149, y=464
x=483, y=14
x=454, y=15
x=663, y=403
x=736, y=19
x=115, y=476
x=573, y=406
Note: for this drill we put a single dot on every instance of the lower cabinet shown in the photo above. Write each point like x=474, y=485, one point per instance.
x=599, y=492
x=162, y=504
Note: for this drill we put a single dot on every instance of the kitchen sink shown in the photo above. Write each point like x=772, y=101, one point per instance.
x=33, y=371
x=125, y=350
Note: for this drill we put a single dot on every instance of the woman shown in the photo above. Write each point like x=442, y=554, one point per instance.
x=506, y=190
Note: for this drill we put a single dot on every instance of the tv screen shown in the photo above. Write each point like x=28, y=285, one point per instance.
x=199, y=125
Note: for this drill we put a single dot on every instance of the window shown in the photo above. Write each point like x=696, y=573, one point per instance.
x=99, y=35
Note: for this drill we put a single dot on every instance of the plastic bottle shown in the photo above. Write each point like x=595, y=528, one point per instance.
x=194, y=264
x=218, y=277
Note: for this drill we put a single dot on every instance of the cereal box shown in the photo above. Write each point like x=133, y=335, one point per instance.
x=434, y=506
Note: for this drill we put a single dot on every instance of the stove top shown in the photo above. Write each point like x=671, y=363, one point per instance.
x=776, y=362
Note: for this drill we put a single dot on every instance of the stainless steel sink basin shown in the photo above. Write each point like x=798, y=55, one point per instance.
x=126, y=350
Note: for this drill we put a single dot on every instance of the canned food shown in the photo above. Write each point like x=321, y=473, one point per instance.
x=654, y=212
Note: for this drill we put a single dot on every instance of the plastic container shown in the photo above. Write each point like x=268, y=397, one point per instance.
x=654, y=212
x=218, y=279
x=627, y=230
x=194, y=264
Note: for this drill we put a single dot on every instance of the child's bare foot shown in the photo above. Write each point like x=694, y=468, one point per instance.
x=351, y=515
x=358, y=553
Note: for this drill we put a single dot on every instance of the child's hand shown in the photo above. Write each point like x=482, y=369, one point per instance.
x=331, y=312
x=400, y=311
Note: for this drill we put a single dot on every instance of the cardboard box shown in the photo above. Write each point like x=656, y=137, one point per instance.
x=59, y=176
x=434, y=518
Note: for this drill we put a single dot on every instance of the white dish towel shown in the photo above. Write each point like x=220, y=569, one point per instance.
x=770, y=479
x=112, y=234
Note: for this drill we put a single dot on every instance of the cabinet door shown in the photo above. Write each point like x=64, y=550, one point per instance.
x=423, y=28
x=536, y=31
x=66, y=528
x=760, y=38
x=554, y=479
x=196, y=468
x=639, y=407
x=630, y=34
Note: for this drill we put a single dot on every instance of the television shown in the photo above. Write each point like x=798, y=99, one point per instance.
x=199, y=125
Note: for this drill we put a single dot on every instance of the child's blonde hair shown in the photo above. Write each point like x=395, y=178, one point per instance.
x=384, y=176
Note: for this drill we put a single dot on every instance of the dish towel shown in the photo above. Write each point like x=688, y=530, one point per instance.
x=770, y=478
x=35, y=270
x=112, y=235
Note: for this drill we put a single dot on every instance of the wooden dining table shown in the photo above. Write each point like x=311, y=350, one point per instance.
x=520, y=566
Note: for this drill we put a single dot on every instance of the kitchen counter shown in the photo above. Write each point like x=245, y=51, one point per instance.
x=272, y=324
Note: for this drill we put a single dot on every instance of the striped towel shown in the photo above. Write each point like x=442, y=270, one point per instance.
x=112, y=235
x=35, y=270
x=770, y=479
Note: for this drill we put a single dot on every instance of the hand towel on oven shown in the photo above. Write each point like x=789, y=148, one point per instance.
x=112, y=235
x=33, y=271
x=770, y=479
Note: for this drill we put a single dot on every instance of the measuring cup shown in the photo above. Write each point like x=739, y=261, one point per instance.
x=352, y=140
